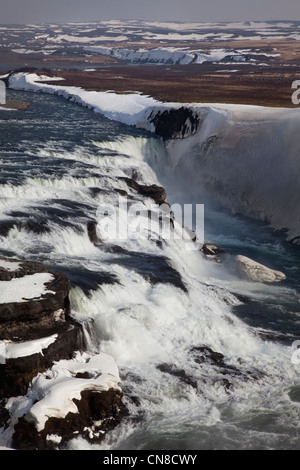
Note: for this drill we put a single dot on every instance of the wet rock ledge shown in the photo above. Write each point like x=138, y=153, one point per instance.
x=52, y=386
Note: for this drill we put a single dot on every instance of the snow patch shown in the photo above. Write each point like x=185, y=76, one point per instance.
x=27, y=348
x=52, y=393
x=9, y=265
x=26, y=288
x=128, y=108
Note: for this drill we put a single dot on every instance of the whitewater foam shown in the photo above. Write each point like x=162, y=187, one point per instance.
x=231, y=154
x=154, y=329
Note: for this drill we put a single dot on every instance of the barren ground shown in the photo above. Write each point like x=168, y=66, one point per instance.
x=268, y=82
x=204, y=83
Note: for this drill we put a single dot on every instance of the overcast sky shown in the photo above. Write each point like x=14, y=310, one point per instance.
x=47, y=11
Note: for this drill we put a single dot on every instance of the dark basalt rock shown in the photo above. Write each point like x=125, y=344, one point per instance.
x=157, y=193
x=179, y=373
x=296, y=240
x=92, y=232
x=35, y=319
x=211, y=250
x=204, y=354
x=98, y=412
x=49, y=316
x=153, y=268
x=124, y=193
x=175, y=123
x=37, y=308
x=16, y=374
x=93, y=237
x=26, y=268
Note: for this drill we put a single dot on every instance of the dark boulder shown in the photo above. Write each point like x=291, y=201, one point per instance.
x=183, y=377
x=97, y=414
x=155, y=192
x=212, y=252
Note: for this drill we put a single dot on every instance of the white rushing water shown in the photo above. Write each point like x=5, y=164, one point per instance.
x=153, y=316
x=245, y=157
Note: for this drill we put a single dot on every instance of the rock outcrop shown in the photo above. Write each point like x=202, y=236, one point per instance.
x=153, y=191
x=175, y=123
x=211, y=252
x=51, y=383
x=258, y=272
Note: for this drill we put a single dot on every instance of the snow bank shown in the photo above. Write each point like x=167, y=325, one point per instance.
x=128, y=109
x=9, y=265
x=135, y=109
x=52, y=393
x=27, y=348
x=26, y=288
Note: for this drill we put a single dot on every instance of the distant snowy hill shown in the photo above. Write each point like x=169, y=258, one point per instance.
x=170, y=55
x=141, y=42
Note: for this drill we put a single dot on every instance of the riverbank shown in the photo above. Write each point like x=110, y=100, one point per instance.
x=19, y=105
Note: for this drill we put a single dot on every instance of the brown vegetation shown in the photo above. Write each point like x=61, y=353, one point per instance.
x=265, y=82
x=201, y=83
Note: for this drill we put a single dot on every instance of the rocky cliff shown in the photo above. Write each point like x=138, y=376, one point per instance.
x=46, y=365
x=175, y=123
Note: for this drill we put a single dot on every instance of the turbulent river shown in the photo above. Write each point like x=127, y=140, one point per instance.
x=206, y=358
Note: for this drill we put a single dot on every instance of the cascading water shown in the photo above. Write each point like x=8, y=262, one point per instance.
x=197, y=370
